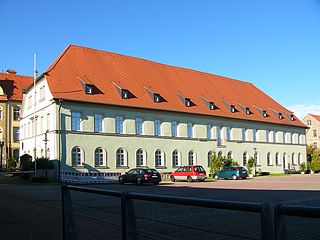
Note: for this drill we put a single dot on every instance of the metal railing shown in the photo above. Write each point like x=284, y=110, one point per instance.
x=271, y=214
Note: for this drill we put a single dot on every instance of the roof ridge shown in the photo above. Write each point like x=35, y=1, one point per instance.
x=58, y=59
x=17, y=75
x=153, y=62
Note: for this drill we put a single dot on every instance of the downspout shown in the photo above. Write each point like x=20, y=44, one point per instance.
x=60, y=101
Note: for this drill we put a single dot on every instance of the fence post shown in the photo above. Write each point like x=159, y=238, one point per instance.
x=68, y=224
x=128, y=218
x=280, y=225
x=268, y=221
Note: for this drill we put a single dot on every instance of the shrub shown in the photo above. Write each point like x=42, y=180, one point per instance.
x=215, y=163
x=11, y=163
x=303, y=167
x=250, y=164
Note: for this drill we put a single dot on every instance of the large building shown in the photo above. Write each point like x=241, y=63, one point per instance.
x=101, y=111
x=11, y=87
x=313, y=133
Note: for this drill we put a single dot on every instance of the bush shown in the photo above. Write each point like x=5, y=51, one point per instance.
x=11, y=163
x=44, y=163
x=250, y=164
x=303, y=167
x=215, y=163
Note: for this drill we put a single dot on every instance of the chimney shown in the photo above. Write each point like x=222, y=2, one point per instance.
x=11, y=71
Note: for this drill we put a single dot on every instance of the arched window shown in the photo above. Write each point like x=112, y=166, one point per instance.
x=229, y=155
x=269, y=160
x=48, y=153
x=141, y=157
x=100, y=157
x=219, y=154
x=121, y=157
x=16, y=154
x=293, y=159
x=299, y=158
x=284, y=159
x=77, y=156
x=192, y=158
x=176, y=158
x=277, y=159
x=244, y=158
x=159, y=158
x=210, y=155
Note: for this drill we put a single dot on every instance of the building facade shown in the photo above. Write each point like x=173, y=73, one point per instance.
x=11, y=87
x=313, y=133
x=99, y=111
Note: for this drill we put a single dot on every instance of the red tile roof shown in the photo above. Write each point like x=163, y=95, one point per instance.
x=317, y=117
x=108, y=70
x=13, y=85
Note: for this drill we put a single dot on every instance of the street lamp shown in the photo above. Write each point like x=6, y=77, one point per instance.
x=255, y=160
x=1, y=148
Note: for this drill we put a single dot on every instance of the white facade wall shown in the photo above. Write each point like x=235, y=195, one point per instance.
x=109, y=141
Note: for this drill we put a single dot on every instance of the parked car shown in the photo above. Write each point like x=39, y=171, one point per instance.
x=231, y=172
x=140, y=176
x=189, y=173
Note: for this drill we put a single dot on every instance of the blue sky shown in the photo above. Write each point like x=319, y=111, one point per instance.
x=274, y=44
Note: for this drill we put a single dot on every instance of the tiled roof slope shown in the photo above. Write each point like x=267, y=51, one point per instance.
x=106, y=70
x=317, y=117
x=13, y=85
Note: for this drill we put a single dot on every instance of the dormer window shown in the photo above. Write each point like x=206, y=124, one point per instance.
x=280, y=116
x=232, y=108
x=211, y=106
x=248, y=111
x=124, y=93
x=156, y=98
x=187, y=102
x=88, y=89
x=292, y=117
x=264, y=113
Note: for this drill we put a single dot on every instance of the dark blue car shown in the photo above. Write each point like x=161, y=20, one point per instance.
x=231, y=172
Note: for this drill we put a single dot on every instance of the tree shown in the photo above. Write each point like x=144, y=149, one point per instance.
x=315, y=161
x=215, y=163
x=250, y=164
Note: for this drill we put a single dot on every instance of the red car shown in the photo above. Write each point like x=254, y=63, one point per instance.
x=189, y=173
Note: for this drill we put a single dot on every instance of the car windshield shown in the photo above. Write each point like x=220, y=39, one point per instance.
x=199, y=169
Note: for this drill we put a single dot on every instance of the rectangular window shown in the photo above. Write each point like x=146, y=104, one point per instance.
x=30, y=101
x=267, y=136
x=309, y=122
x=284, y=137
x=254, y=135
x=174, y=126
x=219, y=135
x=119, y=124
x=157, y=127
x=42, y=94
x=16, y=133
x=16, y=113
x=41, y=124
x=243, y=134
x=190, y=128
x=315, y=133
x=98, y=118
x=75, y=121
x=315, y=145
x=139, y=126
x=228, y=133
x=209, y=131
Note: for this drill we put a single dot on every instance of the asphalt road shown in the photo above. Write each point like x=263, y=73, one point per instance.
x=33, y=211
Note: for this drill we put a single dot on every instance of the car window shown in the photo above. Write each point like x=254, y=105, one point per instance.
x=179, y=169
x=199, y=169
x=132, y=171
x=187, y=169
x=152, y=171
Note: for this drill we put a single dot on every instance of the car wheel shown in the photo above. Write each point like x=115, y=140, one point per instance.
x=201, y=180
x=139, y=181
x=234, y=177
x=216, y=177
x=189, y=179
x=121, y=180
x=156, y=183
x=244, y=178
x=172, y=178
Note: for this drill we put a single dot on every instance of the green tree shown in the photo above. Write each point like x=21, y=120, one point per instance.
x=11, y=163
x=315, y=161
x=250, y=164
x=215, y=163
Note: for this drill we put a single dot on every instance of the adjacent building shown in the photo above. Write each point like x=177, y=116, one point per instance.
x=101, y=111
x=313, y=133
x=11, y=87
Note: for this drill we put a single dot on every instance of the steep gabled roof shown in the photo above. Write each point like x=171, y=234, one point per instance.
x=107, y=70
x=13, y=85
x=317, y=117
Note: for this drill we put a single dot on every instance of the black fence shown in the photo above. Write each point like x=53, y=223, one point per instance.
x=268, y=220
